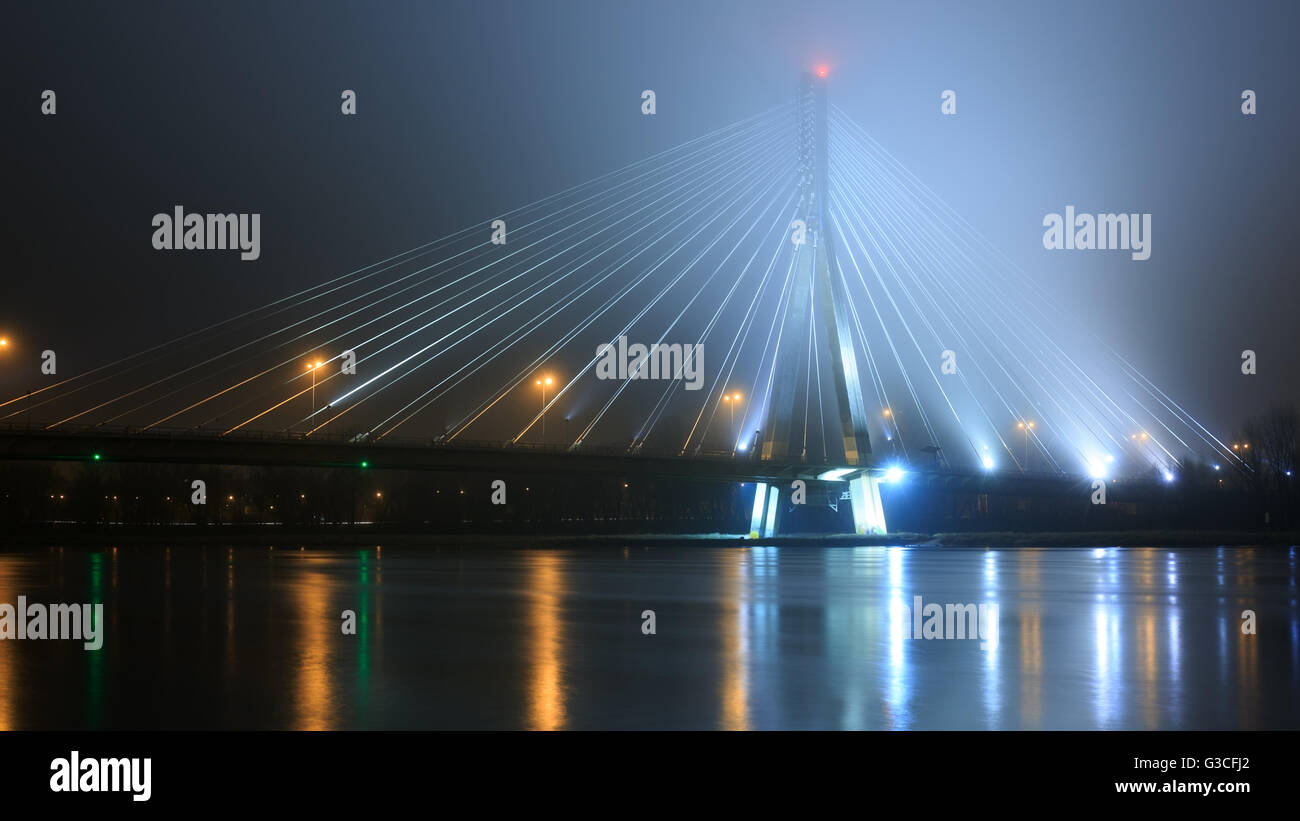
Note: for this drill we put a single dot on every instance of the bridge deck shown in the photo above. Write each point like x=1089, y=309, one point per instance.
x=289, y=449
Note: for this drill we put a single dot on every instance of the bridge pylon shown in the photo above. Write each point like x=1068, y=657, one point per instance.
x=817, y=295
x=816, y=272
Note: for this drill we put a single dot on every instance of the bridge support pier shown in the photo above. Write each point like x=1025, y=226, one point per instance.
x=767, y=503
x=868, y=511
x=864, y=498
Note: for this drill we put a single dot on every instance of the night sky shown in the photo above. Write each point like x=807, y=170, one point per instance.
x=466, y=110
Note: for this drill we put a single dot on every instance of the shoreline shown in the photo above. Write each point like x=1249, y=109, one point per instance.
x=344, y=536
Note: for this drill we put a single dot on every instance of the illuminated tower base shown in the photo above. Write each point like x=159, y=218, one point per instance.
x=868, y=512
x=864, y=498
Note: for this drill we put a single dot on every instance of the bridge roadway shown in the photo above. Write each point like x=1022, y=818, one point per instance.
x=173, y=446
x=332, y=450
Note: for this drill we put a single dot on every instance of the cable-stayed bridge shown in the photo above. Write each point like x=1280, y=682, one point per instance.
x=777, y=299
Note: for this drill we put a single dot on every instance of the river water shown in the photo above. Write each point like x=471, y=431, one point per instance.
x=757, y=638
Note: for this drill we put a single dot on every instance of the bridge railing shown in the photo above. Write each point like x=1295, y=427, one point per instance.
x=359, y=440
x=362, y=440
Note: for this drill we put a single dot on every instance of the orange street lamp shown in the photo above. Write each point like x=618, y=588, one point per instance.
x=1026, y=427
x=731, y=400
x=313, y=367
x=544, y=382
x=4, y=346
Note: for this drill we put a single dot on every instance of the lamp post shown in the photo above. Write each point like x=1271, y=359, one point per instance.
x=313, y=366
x=544, y=383
x=1026, y=427
x=731, y=400
x=4, y=348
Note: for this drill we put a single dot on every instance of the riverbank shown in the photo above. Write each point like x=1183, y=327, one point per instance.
x=344, y=535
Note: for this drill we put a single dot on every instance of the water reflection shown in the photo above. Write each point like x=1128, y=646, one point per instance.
x=757, y=638
x=1029, y=631
x=735, y=641
x=317, y=626
x=546, y=692
x=10, y=584
x=763, y=605
x=95, y=661
x=897, y=716
x=363, y=631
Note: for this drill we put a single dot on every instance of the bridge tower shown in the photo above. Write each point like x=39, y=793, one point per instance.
x=818, y=289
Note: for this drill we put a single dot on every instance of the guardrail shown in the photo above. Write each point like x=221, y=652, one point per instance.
x=361, y=440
